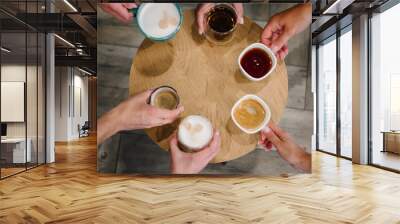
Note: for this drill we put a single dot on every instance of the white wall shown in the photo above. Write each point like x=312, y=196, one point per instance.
x=14, y=73
x=33, y=126
x=70, y=81
x=61, y=103
x=17, y=73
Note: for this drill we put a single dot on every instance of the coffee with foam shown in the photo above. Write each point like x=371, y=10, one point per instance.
x=194, y=133
x=159, y=20
x=250, y=114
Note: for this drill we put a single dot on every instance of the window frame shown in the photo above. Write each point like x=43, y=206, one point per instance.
x=30, y=30
x=336, y=36
x=381, y=9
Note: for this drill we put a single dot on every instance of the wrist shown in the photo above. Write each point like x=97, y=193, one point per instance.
x=299, y=157
x=106, y=127
x=114, y=120
x=307, y=10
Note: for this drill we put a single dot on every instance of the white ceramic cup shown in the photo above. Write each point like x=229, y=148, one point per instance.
x=265, y=107
x=266, y=50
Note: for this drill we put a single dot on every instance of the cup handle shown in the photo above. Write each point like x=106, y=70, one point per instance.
x=133, y=11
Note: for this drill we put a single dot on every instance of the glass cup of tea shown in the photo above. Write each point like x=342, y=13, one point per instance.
x=221, y=22
x=164, y=97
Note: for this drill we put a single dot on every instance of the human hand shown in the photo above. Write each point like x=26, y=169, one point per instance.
x=119, y=10
x=135, y=113
x=203, y=9
x=192, y=163
x=272, y=135
x=284, y=25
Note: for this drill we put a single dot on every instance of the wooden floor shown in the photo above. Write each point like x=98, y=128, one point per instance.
x=10, y=171
x=70, y=191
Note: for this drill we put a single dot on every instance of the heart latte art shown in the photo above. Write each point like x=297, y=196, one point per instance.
x=159, y=20
x=194, y=133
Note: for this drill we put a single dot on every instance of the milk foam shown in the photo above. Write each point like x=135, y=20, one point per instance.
x=195, y=132
x=159, y=19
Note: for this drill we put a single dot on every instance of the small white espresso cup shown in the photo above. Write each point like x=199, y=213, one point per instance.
x=266, y=50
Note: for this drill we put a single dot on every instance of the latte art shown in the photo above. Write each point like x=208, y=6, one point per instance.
x=194, y=133
x=249, y=114
x=159, y=20
x=167, y=21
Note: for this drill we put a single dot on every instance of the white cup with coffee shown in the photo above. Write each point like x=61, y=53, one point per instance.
x=158, y=21
x=194, y=133
x=251, y=114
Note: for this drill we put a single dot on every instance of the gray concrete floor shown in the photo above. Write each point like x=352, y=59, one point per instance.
x=134, y=152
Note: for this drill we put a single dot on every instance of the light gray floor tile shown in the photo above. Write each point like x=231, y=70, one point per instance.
x=297, y=77
x=299, y=124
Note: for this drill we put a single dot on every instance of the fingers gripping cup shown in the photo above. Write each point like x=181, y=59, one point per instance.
x=158, y=21
x=194, y=133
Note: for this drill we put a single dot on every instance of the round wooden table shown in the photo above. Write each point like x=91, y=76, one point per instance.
x=208, y=81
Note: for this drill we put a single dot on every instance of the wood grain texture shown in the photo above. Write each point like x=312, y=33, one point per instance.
x=70, y=191
x=208, y=81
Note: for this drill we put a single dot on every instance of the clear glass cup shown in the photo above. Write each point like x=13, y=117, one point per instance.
x=221, y=22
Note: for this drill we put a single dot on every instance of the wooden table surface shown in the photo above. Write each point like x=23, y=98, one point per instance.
x=208, y=81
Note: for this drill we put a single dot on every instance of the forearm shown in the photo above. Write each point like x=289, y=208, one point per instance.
x=302, y=160
x=305, y=14
x=297, y=157
x=107, y=126
x=307, y=6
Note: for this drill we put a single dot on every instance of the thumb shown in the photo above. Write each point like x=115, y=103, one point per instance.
x=209, y=152
x=278, y=43
x=271, y=136
x=173, y=145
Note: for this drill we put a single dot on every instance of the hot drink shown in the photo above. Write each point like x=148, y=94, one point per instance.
x=194, y=133
x=221, y=21
x=222, y=18
x=158, y=21
x=164, y=97
x=249, y=114
x=166, y=100
x=256, y=62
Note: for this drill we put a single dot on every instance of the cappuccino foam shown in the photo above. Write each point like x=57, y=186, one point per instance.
x=195, y=132
x=159, y=20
